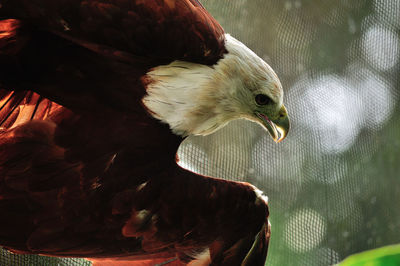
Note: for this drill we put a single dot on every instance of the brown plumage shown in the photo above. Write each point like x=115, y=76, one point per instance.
x=85, y=170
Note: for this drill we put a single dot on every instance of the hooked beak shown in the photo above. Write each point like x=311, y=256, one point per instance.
x=278, y=128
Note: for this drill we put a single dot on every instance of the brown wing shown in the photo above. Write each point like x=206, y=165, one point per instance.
x=84, y=170
x=69, y=193
x=161, y=29
x=19, y=107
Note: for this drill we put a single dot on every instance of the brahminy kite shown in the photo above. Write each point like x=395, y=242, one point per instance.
x=96, y=97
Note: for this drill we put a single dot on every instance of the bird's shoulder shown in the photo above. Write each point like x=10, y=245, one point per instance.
x=162, y=29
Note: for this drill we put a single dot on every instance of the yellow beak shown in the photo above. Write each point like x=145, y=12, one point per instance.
x=278, y=128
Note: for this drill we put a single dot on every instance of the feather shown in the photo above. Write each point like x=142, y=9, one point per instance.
x=85, y=170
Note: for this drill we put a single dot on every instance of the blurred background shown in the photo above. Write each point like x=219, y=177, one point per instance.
x=334, y=183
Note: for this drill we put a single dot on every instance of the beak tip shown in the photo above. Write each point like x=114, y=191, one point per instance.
x=277, y=128
x=282, y=135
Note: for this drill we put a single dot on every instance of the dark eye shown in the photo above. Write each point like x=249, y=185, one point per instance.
x=262, y=99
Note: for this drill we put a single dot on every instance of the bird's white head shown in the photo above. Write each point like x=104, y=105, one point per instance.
x=197, y=99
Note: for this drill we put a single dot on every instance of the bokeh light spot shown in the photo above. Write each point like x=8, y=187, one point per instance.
x=380, y=47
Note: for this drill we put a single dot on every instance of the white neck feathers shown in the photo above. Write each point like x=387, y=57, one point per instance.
x=196, y=99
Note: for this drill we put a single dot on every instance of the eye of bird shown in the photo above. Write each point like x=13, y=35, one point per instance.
x=262, y=99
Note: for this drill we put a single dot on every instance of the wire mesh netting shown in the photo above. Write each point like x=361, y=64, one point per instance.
x=334, y=183
x=7, y=258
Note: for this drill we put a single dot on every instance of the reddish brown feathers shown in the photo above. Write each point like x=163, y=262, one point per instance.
x=85, y=171
x=10, y=40
x=19, y=107
x=157, y=29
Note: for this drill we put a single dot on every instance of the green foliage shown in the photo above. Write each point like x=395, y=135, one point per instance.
x=386, y=256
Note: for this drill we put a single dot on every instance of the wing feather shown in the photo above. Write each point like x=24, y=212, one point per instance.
x=19, y=107
x=162, y=30
x=84, y=170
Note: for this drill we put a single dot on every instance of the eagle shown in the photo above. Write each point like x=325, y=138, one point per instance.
x=95, y=98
